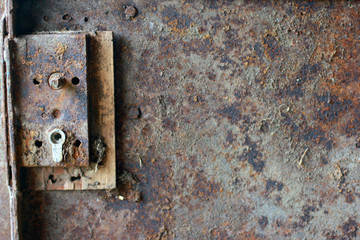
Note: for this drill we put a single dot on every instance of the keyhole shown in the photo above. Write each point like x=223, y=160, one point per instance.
x=56, y=138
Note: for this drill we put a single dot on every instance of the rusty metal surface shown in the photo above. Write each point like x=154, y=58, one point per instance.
x=246, y=123
x=40, y=106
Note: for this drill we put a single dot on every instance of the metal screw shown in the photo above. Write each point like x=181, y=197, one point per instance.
x=56, y=81
x=130, y=12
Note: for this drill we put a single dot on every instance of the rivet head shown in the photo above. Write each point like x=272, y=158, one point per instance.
x=130, y=12
x=56, y=81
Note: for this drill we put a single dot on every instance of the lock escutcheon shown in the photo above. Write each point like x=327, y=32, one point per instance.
x=57, y=139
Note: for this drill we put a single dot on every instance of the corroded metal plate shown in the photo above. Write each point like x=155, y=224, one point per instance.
x=101, y=126
x=39, y=108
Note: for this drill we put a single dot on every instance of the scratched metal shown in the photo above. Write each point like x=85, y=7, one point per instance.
x=247, y=121
x=39, y=109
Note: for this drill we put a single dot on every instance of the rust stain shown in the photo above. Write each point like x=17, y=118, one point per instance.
x=231, y=95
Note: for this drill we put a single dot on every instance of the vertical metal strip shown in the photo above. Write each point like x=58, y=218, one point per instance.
x=3, y=102
x=4, y=144
x=9, y=8
x=7, y=34
x=14, y=190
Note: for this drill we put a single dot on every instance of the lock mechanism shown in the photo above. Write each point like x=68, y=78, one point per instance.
x=44, y=128
x=52, y=93
x=57, y=139
x=57, y=123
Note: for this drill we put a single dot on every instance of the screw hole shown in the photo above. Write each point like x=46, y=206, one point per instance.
x=36, y=82
x=38, y=143
x=52, y=179
x=46, y=18
x=86, y=19
x=73, y=178
x=66, y=17
x=75, y=81
x=77, y=143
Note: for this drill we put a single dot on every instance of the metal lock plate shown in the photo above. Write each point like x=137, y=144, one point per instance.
x=50, y=93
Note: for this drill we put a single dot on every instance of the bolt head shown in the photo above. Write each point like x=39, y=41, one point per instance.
x=56, y=81
x=130, y=12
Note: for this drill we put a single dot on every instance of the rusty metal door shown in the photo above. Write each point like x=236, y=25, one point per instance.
x=234, y=120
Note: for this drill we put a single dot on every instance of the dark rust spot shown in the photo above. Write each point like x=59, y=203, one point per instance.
x=252, y=155
x=175, y=20
x=169, y=124
x=230, y=137
x=349, y=229
x=272, y=47
x=232, y=112
x=306, y=74
x=263, y=221
x=306, y=217
x=272, y=185
x=332, y=107
x=265, y=125
x=349, y=196
x=203, y=188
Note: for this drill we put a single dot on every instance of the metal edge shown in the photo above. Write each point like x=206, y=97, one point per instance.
x=7, y=34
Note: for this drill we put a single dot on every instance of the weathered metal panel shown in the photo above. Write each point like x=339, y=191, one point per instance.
x=235, y=120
